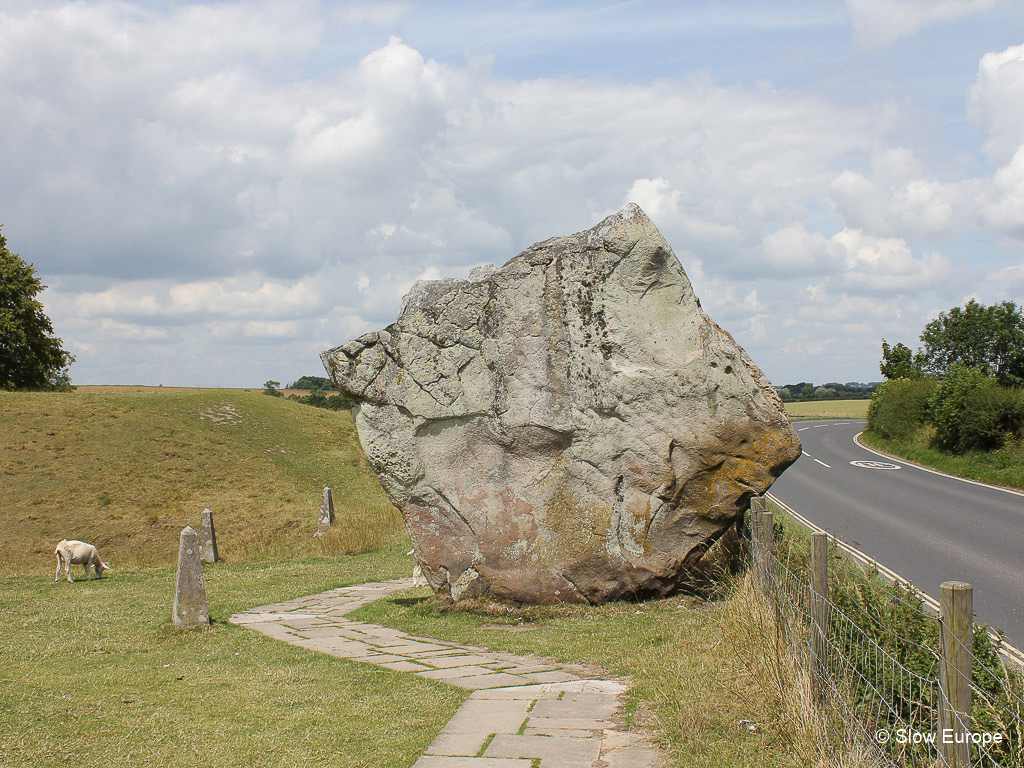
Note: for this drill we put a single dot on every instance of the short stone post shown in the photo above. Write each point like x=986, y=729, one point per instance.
x=956, y=644
x=207, y=537
x=819, y=612
x=189, y=588
x=326, y=513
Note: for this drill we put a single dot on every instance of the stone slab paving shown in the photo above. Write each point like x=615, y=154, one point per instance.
x=524, y=712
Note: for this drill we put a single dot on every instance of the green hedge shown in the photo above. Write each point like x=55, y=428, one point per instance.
x=900, y=407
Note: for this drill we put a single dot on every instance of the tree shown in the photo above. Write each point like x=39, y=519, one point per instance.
x=31, y=357
x=309, y=382
x=898, y=362
x=270, y=387
x=990, y=339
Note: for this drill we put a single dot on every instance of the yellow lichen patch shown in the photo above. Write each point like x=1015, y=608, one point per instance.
x=746, y=457
x=579, y=525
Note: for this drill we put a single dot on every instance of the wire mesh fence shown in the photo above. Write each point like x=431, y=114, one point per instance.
x=882, y=661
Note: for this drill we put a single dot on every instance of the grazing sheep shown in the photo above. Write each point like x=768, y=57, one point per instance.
x=78, y=552
x=418, y=579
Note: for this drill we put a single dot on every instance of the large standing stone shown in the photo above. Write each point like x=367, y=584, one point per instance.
x=569, y=427
x=208, y=537
x=189, y=588
x=326, y=517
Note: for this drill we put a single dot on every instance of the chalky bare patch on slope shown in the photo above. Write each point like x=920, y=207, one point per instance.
x=522, y=708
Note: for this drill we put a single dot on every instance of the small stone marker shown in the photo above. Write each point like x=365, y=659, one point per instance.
x=207, y=537
x=189, y=589
x=326, y=513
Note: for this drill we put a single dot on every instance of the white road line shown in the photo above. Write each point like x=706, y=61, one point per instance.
x=857, y=440
x=802, y=429
x=819, y=426
x=805, y=453
x=1011, y=652
x=823, y=463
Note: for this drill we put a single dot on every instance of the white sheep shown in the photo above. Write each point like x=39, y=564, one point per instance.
x=418, y=579
x=78, y=553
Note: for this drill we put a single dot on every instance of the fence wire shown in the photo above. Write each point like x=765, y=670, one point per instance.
x=882, y=676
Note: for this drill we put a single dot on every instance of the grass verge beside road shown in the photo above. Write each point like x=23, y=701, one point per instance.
x=1004, y=466
x=95, y=673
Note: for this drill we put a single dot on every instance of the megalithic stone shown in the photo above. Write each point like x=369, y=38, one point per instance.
x=326, y=513
x=208, y=538
x=570, y=427
x=189, y=588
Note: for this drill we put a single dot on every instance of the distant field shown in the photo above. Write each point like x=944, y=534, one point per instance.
x=829, y=409
x=128, y=468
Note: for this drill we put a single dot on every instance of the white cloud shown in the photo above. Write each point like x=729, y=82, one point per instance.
x=880, y=23
x=888, y=265
x=996, y=105
x=198, y=178
x=997, y=108
x=793, y=251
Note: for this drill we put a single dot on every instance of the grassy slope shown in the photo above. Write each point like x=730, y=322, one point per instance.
x=95, y=673
x=828, y=409
x=127, y=470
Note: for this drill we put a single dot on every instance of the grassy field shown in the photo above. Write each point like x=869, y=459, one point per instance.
x=828, y=409
x=1004, y=466
x=95, y=673
x=127, y=468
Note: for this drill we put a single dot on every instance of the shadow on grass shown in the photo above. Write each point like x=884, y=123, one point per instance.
x=408, y=601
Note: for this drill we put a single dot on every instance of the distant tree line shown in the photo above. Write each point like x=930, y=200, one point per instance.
x=963, y=385
x=805, y=390
x=318, y=387
x=313, y=382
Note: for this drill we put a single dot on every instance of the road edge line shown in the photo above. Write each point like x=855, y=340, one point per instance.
x=1007, y=650
x=883, y=454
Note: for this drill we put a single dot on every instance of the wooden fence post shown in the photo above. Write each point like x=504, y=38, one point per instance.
x=819, y=612
x=768, y=532
x=756, y=527
x=956, y=644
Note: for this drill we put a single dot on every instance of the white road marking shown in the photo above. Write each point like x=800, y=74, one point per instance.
x=805, y=453
x=802, y=429
x=1011, y=652
x=819, y=426
x=823, y=463
x=875, y=465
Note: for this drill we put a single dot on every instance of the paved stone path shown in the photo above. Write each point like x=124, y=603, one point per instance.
x=523, y=712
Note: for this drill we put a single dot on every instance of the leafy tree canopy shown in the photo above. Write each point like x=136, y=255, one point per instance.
x=898, y=362
x=311, y=382
x=990, y=339
x=31, y=357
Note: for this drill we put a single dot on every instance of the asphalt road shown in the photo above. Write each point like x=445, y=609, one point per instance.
x=926, y=527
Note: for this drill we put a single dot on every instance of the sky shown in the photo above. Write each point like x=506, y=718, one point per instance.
x=216, y=192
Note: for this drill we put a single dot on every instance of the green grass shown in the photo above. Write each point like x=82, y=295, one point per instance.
x=828, y=409
x=94, y=673
x=697, y=665
x=126, y=469
x=1004, y=466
